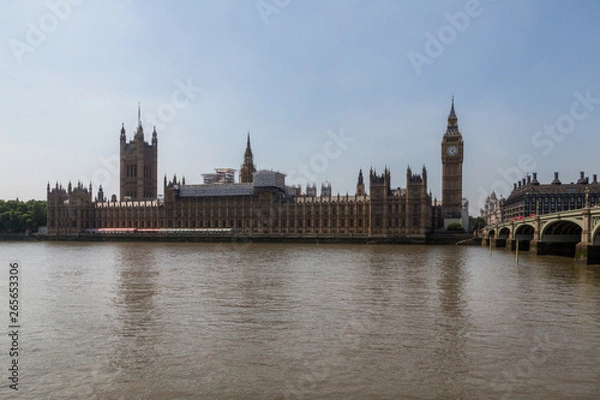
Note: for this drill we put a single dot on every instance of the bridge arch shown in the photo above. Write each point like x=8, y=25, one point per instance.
x=524, y=232
x=504, y=232
x=560, y=238
x=596, y=235
x=561, y=229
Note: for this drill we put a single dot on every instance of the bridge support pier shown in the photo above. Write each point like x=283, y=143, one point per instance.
x=587, y=254
x=594, y=255
x=496, y=242
x=585, y=251
x=534, y=247
x=582, y=252
x=524, y=244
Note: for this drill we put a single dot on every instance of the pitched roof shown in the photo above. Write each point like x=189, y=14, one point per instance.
x=550, y=189
x=216, y=190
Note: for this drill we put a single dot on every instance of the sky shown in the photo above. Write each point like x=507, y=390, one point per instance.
x=325, y=88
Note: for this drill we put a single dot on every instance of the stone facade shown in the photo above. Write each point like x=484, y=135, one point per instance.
x=251, y=209
x=492, y=211
x=452, y=160
x=260, y=205
x=529, y=197
x=139, y=165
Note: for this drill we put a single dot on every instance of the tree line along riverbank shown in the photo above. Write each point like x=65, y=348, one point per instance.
x=20, y=217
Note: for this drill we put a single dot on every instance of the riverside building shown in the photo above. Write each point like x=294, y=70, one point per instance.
x=260, y=204
x=529, y=197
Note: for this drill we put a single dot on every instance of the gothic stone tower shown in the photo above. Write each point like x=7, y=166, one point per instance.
x=452, y=160
x=360, y=185
x=139, y=161
x=418, y=202
x=379, y=192
x=248, y=168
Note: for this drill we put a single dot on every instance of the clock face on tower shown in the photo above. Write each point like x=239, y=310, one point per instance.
x=452, y=151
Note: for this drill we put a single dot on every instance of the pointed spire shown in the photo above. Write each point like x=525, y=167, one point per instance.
x=123, y=137
x=248, y=167
x=139, y=134
x=248, y=154
x=452, y=117
x=452, y=129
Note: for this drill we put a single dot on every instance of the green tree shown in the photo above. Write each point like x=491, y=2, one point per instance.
x=18, y=216
x=38, y=212
x=477, y=222
x=455, y=227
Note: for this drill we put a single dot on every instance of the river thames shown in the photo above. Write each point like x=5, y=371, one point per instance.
x=286, y=321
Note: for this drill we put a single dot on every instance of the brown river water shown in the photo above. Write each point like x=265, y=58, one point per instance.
x=288, y=321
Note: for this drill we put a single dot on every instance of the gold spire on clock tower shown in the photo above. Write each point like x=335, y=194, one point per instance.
x=452, y=160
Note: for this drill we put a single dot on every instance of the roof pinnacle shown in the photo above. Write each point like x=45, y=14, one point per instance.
x=452, y=129
x=452, y=115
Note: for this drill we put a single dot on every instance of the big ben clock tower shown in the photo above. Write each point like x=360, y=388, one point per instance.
x=452, y=160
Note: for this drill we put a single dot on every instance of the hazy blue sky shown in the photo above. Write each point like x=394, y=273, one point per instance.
x=333, y=85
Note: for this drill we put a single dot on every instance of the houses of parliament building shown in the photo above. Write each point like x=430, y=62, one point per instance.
x=260, y=204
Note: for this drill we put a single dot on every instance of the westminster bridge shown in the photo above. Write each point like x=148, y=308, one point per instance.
x=574, y=233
